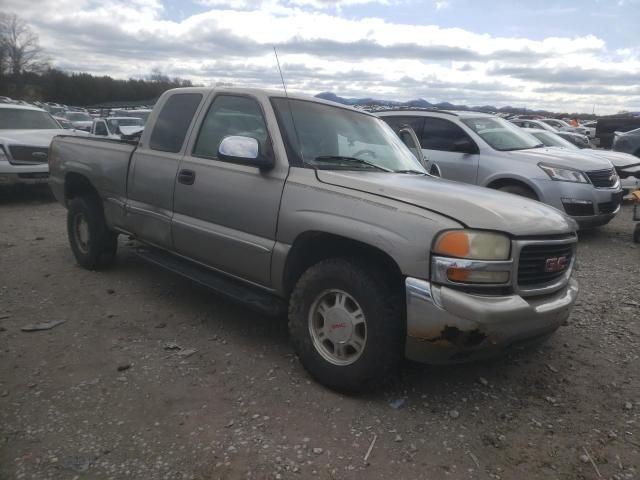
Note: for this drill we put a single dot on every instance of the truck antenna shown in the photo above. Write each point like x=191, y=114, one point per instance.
x=286, y=94
x=280, y=70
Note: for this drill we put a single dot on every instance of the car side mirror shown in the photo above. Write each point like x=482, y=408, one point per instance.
x=244, y=150
x=465, y=145
x=435, y=170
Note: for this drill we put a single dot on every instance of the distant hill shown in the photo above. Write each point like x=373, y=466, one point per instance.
x=422, y=103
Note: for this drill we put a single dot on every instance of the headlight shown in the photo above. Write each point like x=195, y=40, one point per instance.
x=3, y=155
x=473, y=245
x=563, y=174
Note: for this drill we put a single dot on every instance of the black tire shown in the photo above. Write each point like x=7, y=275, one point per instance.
x=636, y=233
x=519, y=190
x=99, y=249
x=385, y=325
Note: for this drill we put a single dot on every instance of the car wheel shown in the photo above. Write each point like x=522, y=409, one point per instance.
x=519, y=190
x=346, y=324
x=92, y=243
x=636, y=233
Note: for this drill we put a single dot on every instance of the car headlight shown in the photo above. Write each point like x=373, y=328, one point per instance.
x=468, y=257
x=473, y=245
x=563, y=174
x=3, y=155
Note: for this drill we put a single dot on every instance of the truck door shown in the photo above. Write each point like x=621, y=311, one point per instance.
x=446, y=145
x=153, y=169
x=225, y=213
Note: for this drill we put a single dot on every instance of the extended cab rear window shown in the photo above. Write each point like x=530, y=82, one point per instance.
x=173, y=122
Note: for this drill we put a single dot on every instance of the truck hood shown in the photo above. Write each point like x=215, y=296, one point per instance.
x=473, y=206
x=82, y=123
x=562, y=158
x=131, y=129
x=34, y=138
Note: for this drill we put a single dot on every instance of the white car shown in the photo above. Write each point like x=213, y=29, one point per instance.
x=25, y=135
x=80, y=120
x=115, y=127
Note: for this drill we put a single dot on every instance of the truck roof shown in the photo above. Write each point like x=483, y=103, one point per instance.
x=265, y=92
x=13, y=106
x=431, y=112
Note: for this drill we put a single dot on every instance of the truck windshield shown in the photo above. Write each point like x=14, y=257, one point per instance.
x=114, y=123
x=500, y=134
x=79, y=117
x=17, y=119
x=333, y=137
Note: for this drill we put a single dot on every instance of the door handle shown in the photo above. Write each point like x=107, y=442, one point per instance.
x=187, y=177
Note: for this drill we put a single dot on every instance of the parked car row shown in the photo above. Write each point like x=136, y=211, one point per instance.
x=578, y=139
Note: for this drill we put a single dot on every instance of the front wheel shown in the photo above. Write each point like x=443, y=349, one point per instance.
x=346, y=325
x=92, y=243
x=519, y=190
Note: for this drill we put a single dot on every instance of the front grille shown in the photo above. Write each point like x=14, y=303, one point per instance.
x=602, y=178
x=536, y=260
x=578, y=209
x=23, y=155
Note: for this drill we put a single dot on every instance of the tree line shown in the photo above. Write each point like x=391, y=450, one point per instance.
x=25, y=73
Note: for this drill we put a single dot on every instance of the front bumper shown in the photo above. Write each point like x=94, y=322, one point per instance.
x=587, y=205
x=14, y=174
x=445, y=325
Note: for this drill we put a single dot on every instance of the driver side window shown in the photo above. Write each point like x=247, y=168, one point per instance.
x=230, y=115
x=101, y=129
x=441, y=134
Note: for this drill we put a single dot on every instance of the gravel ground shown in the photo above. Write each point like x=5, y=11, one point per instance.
x=153, y=377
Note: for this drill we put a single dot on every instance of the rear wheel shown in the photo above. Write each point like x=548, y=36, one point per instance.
x=346, y=325
x=519, y=190
x=92, y=243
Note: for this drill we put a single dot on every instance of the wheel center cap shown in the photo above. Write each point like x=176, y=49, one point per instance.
x=338, y=325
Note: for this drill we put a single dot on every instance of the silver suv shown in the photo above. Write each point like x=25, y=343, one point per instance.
x=486, y=150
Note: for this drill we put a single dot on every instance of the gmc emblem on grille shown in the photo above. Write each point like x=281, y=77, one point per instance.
x=555, y=264
x=39, y=155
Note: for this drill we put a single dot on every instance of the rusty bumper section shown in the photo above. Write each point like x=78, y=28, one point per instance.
x=449, y=326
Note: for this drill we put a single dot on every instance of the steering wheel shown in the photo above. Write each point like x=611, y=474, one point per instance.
x=365, y=152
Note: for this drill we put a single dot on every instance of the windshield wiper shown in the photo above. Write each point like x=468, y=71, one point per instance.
x=353, y=160
x=416, y=172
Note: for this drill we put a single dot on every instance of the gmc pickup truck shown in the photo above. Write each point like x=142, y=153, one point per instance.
x=301, y=205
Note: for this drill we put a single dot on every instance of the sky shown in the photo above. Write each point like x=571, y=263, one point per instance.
x=575, y=56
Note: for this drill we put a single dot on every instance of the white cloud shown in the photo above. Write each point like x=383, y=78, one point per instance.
x=320, y=49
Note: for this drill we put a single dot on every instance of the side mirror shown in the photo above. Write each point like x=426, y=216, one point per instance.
x=465, y=145
x=435, y=170
x=244, y=150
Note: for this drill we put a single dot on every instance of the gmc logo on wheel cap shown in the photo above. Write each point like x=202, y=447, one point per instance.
x=555, y=264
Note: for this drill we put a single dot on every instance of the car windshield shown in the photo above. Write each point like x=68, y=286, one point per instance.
x=501, y=134
x=543, y=126
x=142, y=114
x=17, y=119
x=79, y=117
x=552, y=140
x=114, y=123
x=333, y=137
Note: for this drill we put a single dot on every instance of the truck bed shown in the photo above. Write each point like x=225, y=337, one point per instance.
x=104, y=162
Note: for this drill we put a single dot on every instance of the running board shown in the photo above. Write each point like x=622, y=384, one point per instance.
x=252, y=297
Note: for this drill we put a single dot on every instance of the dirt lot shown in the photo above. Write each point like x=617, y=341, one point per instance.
x=107, y=394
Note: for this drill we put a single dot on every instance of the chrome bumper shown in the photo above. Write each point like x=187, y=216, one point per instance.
x=445, y=325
